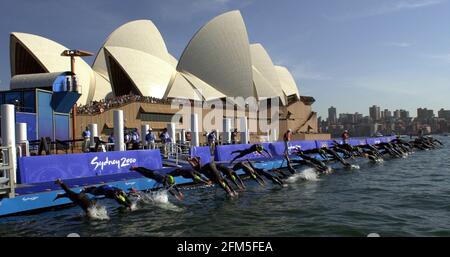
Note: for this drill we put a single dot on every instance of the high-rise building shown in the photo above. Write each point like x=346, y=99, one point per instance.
x=397, y=114
x=444, y=114
x=404, y=114
x=375, y=113
x=424, y=114
x=387, y=114
x=332, y=115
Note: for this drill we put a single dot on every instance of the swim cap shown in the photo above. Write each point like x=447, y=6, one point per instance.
x=121, y=198
x=259, y=147
x=197, y=178
x=171, y=179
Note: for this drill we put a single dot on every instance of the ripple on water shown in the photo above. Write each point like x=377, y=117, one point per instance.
x=399, y=197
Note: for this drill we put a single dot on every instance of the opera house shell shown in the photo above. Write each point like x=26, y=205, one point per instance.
x=219, y=61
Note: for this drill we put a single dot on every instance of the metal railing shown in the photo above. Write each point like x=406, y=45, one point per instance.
x=7, y=179
x=177, y=152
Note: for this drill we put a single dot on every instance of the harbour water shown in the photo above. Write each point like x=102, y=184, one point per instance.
x=399, y=197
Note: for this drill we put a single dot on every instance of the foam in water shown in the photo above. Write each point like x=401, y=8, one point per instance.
x=133, y=206
x=355, y=167
x=160, y=199
x=308, y=174
x=98, y=212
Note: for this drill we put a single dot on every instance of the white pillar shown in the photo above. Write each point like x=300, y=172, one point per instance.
x=21, y=133
x=144, y=131
x=94, y=133
x=9, y=134
x=119, y=144
x=226, y=131
x=274, y=135
x=244, y=130
x=194, y=130
x=171, y=131
x=182, y=136
x=22, y=138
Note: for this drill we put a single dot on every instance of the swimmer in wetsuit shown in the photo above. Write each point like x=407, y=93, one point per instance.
x=167, y=181
x=289, y=164
x=262, y=172
x=247, y=169
x=189, y=173
x=317, y=164
x=254, y=148
x=231, y=175
x=80, y=199
x=337, y=157
x=110, y=192
x=210, y=171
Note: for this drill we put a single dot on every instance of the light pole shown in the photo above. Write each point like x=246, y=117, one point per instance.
x=72, y=54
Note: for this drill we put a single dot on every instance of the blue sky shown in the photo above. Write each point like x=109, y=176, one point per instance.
x=347, y=53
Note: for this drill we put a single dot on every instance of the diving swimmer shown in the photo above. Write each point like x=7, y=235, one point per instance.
x=254, y=148
x=247, y=169
x=167, y=181
x=110, y=192
x=262, y=172
x=231, y=175
x=80, y=199
x=212, y=173
x=189, y=174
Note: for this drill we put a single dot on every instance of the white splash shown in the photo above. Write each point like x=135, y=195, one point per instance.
x=98, y=212
x=329, y=170
x=355, y=167
x=160, y=199
x=307, y=174
x=133, y=206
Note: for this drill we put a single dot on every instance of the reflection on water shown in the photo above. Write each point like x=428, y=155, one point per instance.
x=399, y=197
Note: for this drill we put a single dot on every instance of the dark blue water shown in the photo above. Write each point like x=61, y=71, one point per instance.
x=400, y=197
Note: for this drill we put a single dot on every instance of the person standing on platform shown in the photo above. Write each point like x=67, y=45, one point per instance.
x=127, y=139
x=135, y=139
x=188, y=136
x=165, y=140
x=212, y=139
x=345, y=136
x=234, y=135
x=287, y=138
x=87, y=138
x=150, y=138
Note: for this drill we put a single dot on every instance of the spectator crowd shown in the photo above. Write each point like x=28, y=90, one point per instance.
x=97, y=107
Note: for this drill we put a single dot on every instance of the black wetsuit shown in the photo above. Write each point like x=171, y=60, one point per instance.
x=320, y=166
x=289, y=165
x=80, y=199
x=319, y=151
x=188, y=173
x=212, y=173
x=336, y=157
x=160, y=179
x=244, y=166
x=231, y=175
x=274, y=179
x=251, y=149
x=110, y=192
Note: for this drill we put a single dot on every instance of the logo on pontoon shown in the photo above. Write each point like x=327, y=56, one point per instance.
x=120, y=163
x=130, y=183
x=30, y=198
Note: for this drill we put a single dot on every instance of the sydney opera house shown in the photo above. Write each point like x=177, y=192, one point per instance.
x=218, y=62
